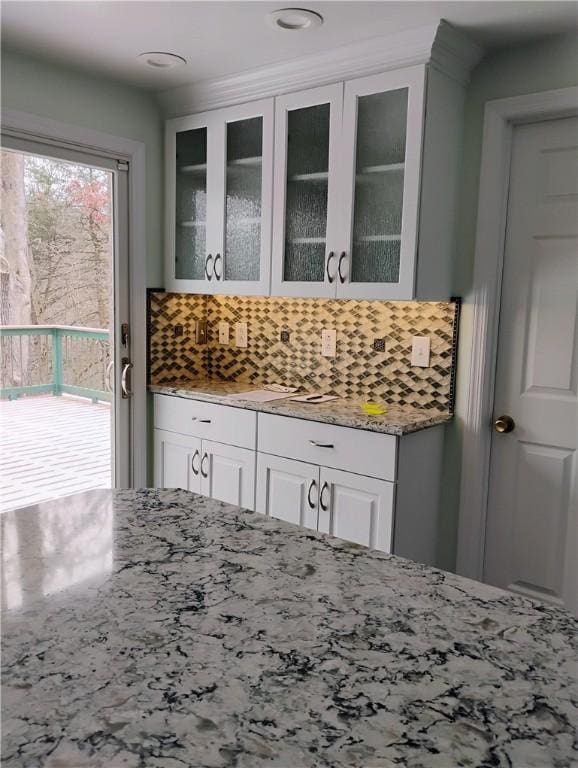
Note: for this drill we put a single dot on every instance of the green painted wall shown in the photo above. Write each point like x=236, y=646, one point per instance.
x=58, y=93
x=550, y=64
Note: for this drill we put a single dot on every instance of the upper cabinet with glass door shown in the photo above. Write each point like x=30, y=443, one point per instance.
x=306, y=213
x=219, y=169
x=382, y=145
x=355, y=196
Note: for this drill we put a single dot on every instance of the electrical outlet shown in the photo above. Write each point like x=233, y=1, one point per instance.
x=178, y=330
x=420, y=351
x=379, y=345
x=241, y=335
x=284, y=336
x=328, y=342
x=223, y=332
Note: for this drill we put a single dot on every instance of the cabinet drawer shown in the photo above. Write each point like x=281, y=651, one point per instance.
x=210, y=421
x=353, y=450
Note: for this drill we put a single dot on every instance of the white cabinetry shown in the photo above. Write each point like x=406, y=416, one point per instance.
x=186, y=458
x=352, y=194
x=373, y=489
x=177, y=461
x=356, y=508
x=219, y=172
x=228, y=474
x=287, y=490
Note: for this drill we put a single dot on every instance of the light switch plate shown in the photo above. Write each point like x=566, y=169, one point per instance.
x=328, y=342
x=201, y=332
x=223, y=332
x=420, y=351
x=241, y=339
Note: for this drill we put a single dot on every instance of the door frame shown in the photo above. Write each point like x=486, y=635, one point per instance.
x=27, y=126
x=500, y=118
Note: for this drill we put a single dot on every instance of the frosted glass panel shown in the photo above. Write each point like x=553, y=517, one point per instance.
x=191, y=204
x=380, y=159
x=243, y=203
x=306, y=196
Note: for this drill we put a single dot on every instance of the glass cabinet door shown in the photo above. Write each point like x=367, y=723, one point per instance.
x=304, y=237
x=243, y=263
x=191, y=204
x=384, y=142
x=243, y=201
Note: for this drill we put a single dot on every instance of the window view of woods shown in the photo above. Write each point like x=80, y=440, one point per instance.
x=56, y=272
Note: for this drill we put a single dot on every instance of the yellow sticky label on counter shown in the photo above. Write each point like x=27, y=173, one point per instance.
x=373, y=409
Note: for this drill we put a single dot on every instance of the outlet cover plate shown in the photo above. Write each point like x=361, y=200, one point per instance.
x=328, y=342
x=201, y=332
x=379, y=345
x=420, y=351
x=241, y=339
x=223, y=332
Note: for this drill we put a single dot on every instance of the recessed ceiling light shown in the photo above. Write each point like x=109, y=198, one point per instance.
x=161, y=59
x=294, y=19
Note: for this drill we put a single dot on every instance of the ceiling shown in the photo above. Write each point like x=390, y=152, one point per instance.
x=218, y=38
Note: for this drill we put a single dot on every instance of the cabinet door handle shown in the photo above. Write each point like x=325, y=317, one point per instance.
x=341, y=258
x=330, y=277
x=204, y=421
x=323, y=489
x=195, y=456
x=311, y=487
x=208, y=260
x=321, y=445
x=203, y=473
x=218, y=275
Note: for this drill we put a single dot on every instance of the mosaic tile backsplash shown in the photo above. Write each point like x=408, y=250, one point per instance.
x=357, y=371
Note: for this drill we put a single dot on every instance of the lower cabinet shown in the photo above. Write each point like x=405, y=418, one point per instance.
x=374, y=489
x=287, y=490
x=349, y=506
x=222, y=472
x=177, y=461
x=356, y=508
x=228, y=474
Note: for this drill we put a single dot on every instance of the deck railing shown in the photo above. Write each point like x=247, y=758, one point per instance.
x=55, y=359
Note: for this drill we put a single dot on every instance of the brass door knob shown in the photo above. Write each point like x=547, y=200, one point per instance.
x=504, y=424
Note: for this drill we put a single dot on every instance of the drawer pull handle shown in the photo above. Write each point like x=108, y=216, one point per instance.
x=203, y=473
x=323, y=489
x=311, y=487
x=195, y=456
x=321, y=445
x=204, y=421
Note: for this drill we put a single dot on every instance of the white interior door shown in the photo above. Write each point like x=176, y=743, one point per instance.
x=532, y=521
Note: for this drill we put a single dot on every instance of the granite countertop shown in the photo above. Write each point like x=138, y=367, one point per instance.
x=160, y=629
x=397, y=420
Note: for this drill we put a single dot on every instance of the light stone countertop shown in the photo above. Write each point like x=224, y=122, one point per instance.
x=160, y=629
x=397, y=420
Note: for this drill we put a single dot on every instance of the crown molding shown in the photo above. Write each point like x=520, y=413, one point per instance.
x=447, y=49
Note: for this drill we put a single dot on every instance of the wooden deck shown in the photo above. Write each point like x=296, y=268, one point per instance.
x=51, y=447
